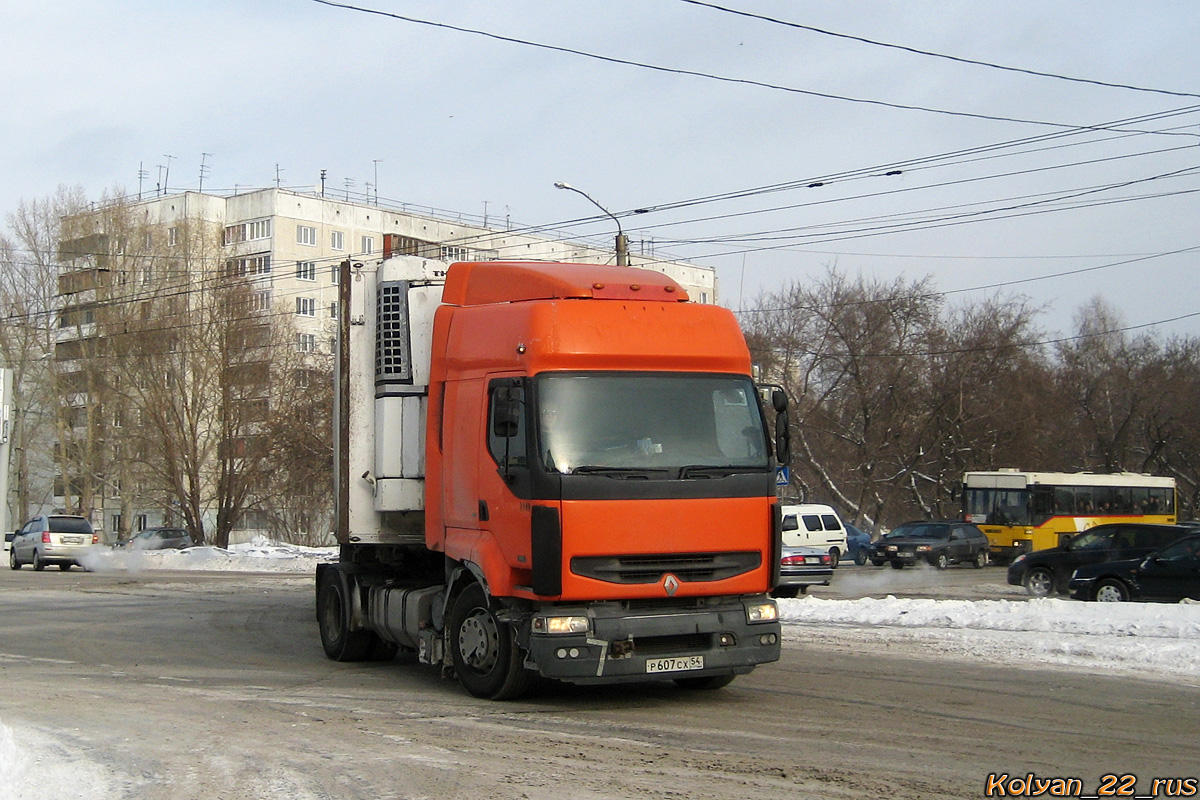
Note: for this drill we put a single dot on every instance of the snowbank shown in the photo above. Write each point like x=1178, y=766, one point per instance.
x=257, y=556
x=1154, y=640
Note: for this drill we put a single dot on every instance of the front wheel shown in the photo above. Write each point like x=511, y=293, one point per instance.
x=1039, y=582
x=487, y=660
x=1112, y=591
x=12, y=559
x=941, y=561
x=860, y=557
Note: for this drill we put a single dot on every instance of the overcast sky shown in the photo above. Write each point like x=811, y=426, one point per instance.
x=281, y=89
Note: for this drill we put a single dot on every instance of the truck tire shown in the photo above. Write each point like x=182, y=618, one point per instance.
x=487, y=660
x=333, y=618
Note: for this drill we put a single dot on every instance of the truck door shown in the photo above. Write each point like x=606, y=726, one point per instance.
x=505, y=484
x=462, y=433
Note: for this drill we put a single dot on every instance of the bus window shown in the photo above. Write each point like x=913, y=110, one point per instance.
x=1084, y=503
x=1162, y=501
x=1064, y=501
x=1041, y=500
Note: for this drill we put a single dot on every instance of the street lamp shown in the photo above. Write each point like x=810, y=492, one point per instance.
x=622, y=241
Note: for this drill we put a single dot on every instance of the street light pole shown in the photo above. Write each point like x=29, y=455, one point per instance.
x=622, y=240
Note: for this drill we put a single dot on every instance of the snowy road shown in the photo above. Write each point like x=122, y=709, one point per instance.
x=146, y=679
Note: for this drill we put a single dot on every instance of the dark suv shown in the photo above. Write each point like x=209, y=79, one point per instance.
x=939, y=543
x=1044, y=572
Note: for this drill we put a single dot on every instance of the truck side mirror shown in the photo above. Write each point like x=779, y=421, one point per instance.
x=506, y=422
x=783, y=438
x=779, y=401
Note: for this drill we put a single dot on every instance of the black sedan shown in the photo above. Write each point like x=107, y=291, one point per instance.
x=1172, y=574
x=158, y=539
x=937, y=543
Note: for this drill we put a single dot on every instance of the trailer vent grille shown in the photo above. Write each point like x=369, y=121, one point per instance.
x=687, y=567
x=393, y=349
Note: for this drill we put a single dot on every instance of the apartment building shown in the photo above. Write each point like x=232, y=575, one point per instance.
x=287, y=245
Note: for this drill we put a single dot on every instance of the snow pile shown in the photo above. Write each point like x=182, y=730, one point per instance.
x=257, y=556
x=1154, y=640
x=33, y=767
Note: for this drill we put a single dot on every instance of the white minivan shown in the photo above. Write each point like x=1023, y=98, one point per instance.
x=814, y=525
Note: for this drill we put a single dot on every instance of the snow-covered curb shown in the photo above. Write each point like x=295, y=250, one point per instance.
x=257, y=556
x=1152, y=640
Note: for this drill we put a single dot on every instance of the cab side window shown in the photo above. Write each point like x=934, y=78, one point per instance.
x=506, y=423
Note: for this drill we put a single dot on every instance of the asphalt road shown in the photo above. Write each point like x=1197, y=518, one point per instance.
x=214, y=686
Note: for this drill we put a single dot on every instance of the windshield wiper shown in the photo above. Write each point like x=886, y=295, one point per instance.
x=711, y=471
x=620, y=473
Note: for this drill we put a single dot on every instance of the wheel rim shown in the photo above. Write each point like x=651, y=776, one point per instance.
x=1110, y=593
x=479, y=641
x=1038, y=583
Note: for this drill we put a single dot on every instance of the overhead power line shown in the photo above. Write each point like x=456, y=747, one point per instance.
x=706, y=75
x=932, y=54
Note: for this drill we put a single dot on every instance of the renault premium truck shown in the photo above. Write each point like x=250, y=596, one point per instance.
x=548, y=469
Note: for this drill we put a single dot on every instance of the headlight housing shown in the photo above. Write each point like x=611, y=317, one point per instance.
x=762, y=612
x=560, y=626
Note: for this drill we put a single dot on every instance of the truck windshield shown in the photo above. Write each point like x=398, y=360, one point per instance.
x=678, y=426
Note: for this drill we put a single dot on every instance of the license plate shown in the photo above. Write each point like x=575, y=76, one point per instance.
x=674, y=664
x=72, y=540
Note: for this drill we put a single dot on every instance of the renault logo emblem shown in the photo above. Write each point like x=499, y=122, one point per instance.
x=671, y=585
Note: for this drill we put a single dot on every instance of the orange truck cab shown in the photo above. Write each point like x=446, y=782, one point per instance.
x=555, y=469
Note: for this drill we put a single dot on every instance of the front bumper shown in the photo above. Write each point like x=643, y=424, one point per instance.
x=653, y=642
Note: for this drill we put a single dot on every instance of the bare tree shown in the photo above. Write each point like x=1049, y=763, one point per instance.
x=28, y=285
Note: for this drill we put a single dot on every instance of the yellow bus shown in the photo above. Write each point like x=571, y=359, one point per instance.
x=1025, y=511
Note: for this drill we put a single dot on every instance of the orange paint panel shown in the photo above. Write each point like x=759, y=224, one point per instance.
x=648, y=527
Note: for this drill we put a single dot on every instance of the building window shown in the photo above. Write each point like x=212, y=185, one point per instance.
x=306, y=270
x=172, y=237
x=337, y=240
x=248, y=231
x=333, y=310
x=260, y=301
x=455, y=254
x=306, y=342
x=306, y=307
x=334, y=271
x=306, y=234
x=368, y=245
x=248, y=265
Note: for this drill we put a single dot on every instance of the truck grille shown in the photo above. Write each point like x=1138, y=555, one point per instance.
x=668, y=645
x=687, y=567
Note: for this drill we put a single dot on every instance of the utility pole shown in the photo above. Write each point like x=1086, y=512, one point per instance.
x=203, y=169
x=167, y=175
x=622, y=244
x=6, y=389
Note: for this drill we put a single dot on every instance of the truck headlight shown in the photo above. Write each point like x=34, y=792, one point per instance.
x=560, y=625
x=762, y=612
